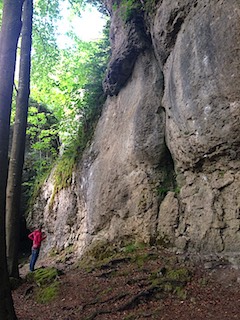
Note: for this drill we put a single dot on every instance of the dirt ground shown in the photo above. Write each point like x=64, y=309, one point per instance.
x=137, y=286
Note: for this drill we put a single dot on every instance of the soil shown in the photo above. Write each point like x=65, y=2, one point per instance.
x=137, y=286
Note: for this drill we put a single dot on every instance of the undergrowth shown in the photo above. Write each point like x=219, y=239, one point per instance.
x=170, y=278
x=131, y=8
x=47, y=284
x=91, y=107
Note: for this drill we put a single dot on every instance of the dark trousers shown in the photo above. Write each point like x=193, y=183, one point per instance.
x=35, y=253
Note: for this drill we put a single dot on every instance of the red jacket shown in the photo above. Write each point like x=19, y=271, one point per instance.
x=37, y=237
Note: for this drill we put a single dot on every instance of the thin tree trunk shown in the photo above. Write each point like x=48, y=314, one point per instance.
x=18, y=143
x=11, y=26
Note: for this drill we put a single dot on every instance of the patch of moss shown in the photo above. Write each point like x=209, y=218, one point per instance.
x=172, y=281
x=130, y=317
x=47, y=283
x=103, y=253
x=181, y=293
x=177, y=190
x=133, y=247
x=98, y=254
x=203, y=281
x=181, y=274
x=141, y=258
x=102, y=250
x=53, y=253
x=63, y=172
x=64, y=169
x=162, y=191
x=47, y=294
x=45, y=276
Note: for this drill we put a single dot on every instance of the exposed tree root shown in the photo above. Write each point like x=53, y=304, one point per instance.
x=112, y=299
x=128, y=305
x=147, y=293
x=114, y=262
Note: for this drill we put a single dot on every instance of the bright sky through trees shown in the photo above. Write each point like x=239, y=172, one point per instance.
x=87, y=27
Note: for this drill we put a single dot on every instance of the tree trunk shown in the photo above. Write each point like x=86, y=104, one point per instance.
x=18, y=143
x=11, y=26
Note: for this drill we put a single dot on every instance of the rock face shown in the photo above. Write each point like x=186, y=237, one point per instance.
x=164, y=161
x=201, y=100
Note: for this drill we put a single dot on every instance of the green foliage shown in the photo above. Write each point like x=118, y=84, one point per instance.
x=140, y=259
x=162, y=191
x=1, y=11
x=73, y=89
x=65, y=254
x=74, y=93
x=62, y=255
x=45, y=52
x=114, y=6
x=42, y=135
x=77, y=127
x=41, y=150
x=101, y=250
x=47, y=281
x=181, y=293
x=45, y=276
x=138, y=253
x=172, y=281
x=98, y=254
x=103, y=253
x=79, y=5
x=180, y=274
x=177, y=279
x=47, y=294
x=133, y=247
x=129, y=9
x=63, y=170
x=67, y=96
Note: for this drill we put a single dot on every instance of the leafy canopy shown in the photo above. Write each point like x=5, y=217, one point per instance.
x=66, y=95
x=66, y=91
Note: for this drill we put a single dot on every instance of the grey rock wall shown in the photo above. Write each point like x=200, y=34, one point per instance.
x=201, y=100
x=164, y=161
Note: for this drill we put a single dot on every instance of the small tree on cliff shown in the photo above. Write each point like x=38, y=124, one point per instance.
x=10, y=31
x=18, y=143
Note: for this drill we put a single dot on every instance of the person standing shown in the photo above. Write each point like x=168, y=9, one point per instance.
x=37, y=236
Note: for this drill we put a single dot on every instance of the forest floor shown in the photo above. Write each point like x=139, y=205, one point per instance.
x=146, y=284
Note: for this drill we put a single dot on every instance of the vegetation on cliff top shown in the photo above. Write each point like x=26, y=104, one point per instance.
x=70, y=90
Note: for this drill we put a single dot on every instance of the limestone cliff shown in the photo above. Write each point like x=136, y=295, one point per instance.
x=164, y=161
